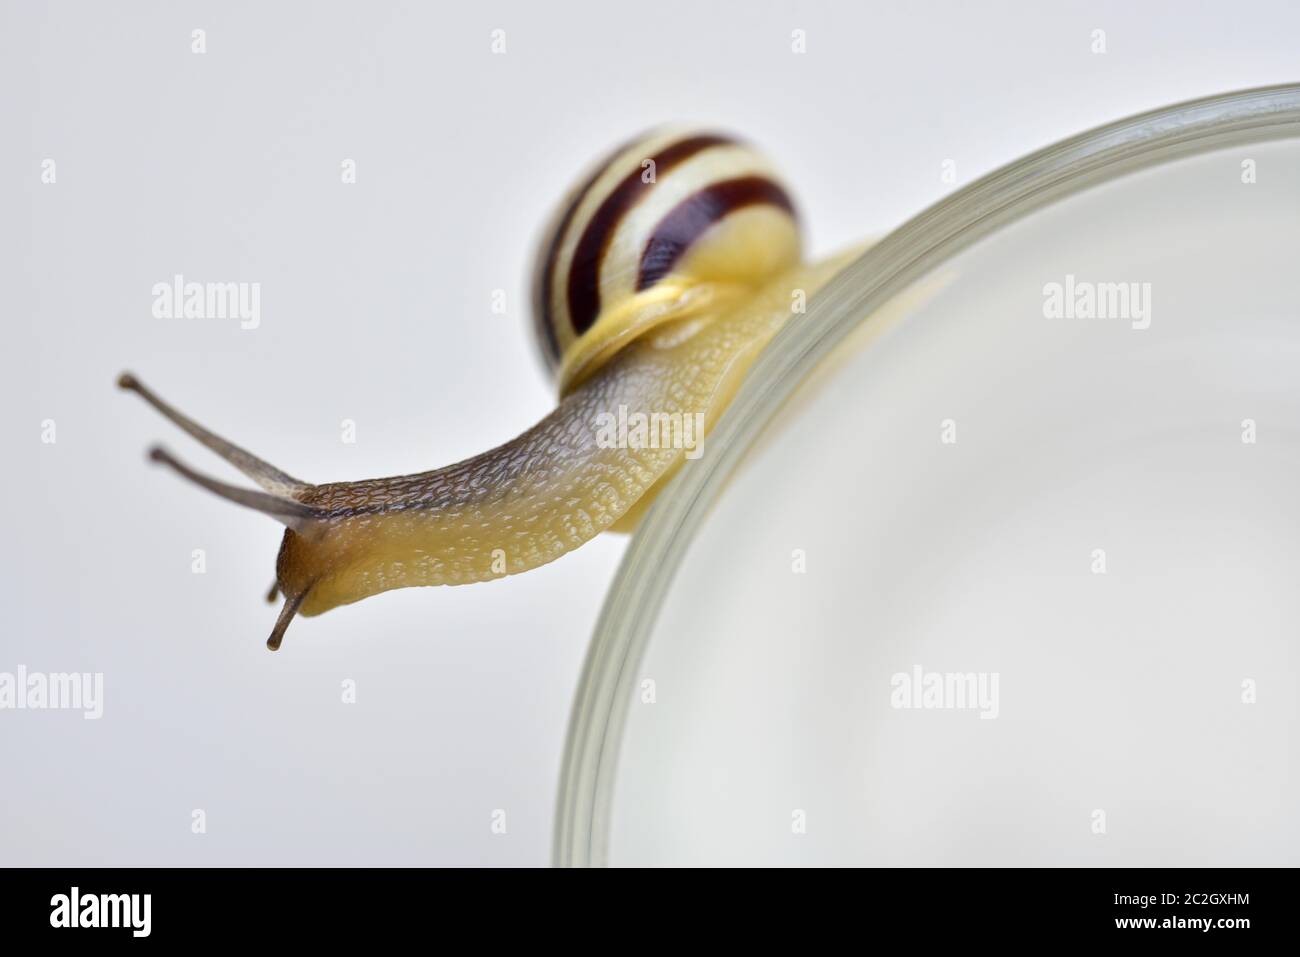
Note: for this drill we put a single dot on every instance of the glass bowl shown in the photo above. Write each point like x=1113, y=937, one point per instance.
x=993, y=559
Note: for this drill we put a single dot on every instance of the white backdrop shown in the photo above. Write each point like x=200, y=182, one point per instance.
x=225, y=166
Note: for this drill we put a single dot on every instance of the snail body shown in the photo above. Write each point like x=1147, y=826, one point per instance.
x=662, y=276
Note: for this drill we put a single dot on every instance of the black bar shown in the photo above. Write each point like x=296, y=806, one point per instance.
x=332, y=906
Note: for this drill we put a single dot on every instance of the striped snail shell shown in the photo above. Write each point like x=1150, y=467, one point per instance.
x=644, y=237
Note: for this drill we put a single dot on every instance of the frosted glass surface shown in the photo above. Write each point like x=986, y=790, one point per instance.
x=762, y=728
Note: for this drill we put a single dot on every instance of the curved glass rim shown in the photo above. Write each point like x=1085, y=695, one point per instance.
x=905, y=255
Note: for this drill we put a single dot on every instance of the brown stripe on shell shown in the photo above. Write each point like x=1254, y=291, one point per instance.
x=584, y=269
x=693, y=216
x=544, y=281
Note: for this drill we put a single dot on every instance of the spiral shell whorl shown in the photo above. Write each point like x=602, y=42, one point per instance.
x=663, y=216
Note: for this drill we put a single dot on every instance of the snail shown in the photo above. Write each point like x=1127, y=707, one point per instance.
x=660, y=278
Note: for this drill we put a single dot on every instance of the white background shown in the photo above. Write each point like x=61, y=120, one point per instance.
x=376, y=308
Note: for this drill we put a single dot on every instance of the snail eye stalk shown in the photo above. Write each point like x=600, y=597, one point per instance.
x=292, y=513
x=262, y=472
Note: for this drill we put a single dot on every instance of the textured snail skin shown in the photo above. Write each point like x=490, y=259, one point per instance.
x=547, y=491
